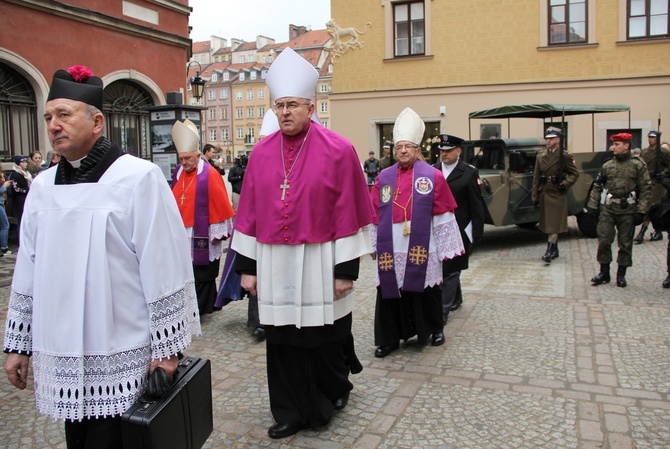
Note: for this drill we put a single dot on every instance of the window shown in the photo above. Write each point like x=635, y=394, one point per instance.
x=250, y=112
x=224, y=135
x=215, y=76
x=226, y=76
x=212, y=135
x=240, y=114
x=567, y=21
x=250, y=94
x=238, y=95
x=240, y=133
x=223, y=94
x=408, y=28
x=261, y=111
x=323, y=87
x=324, y=107
x=261, y=93
x=253, y=74
x=241, y=76
x=264, y=74
x=212, y=114
x=243, y=59
x=647, y=18
x=224, y=113
x=211, y=94
x=251, y=133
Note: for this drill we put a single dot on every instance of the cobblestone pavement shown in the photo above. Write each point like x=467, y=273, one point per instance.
x=536, y=357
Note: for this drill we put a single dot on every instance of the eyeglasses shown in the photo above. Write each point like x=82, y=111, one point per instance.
x=405, y=147
x=290, y=105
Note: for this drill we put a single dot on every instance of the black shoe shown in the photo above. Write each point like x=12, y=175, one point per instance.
x=656, y=236
x=554, y=252
x=547, y=254
x=445, y=318
x=340, y=403
x=280, y=430
x=383, y=351
x=666, y=282
x=640, y=235
x=601, y=278
x=621, y=280
x=456, y=306
x=438, y=339
x=259, y=332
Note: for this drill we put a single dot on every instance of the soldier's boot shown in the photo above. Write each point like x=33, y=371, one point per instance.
x=554, y=252
x=547, y=255
x=604, y=276
x=656, y=236
x=640, y=235
x=621, y=277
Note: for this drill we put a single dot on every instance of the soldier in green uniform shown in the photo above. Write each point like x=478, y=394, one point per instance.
x=386, y=160
x=623, y=190
x=657, y=160
x=555, y=173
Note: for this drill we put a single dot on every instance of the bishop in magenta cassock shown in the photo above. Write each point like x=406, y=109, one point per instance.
x=301, y=228
x=205, y=210
x=415, y=230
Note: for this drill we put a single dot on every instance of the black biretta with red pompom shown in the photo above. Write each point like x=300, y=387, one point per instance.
x=77, y=83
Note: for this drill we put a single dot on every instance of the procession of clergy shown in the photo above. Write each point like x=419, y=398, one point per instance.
x=299, y=237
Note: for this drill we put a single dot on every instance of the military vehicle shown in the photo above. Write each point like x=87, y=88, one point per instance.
x=506, y=167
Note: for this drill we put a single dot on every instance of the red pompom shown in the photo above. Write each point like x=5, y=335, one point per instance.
x=80, y=73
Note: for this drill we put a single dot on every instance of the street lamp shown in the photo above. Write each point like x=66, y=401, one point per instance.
x=197, y=83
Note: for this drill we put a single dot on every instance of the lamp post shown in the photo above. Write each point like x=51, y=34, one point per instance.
x=197, y=83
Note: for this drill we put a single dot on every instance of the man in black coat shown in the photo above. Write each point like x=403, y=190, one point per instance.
x=463, y=180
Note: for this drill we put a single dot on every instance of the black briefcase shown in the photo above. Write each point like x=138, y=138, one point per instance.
x=180, y=419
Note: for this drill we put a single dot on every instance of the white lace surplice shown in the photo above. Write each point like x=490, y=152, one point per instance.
x=295, y=282
x=445, y=243
x=103, y=284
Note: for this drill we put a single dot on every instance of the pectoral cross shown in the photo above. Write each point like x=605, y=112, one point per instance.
x=284, y=187
x=182, y=198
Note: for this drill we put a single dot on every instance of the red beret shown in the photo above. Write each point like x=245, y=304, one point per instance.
x=621, y=137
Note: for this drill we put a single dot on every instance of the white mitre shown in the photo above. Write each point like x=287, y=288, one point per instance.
x=408, y=127
x=185, y=136
x=270, y=124
x=290, y=75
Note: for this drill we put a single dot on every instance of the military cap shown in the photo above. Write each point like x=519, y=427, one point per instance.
x=621, y=137
x=448, y=142
x=653, y=133
x=552, y=132
x=387, y=145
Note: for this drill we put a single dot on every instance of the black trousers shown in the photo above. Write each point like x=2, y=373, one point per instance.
x=412, y=314
x=94, y=433
x=205, y=285
x=308, y=369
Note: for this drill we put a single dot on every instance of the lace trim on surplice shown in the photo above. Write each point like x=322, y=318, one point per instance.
x=74, y=388
x=448, y=240
x=18, y=330
x=174, y=318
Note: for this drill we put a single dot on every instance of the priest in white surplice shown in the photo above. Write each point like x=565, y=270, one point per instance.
x=301, y=227
x=103, y=289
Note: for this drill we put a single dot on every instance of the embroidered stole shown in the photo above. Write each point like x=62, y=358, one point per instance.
x=200, y=239
x=423, y=189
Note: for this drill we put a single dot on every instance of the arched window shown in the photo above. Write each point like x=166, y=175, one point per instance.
x=18, y=115
x=127, y=120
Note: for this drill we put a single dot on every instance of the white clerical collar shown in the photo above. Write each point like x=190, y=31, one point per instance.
x=447, y=169
x=76, y=163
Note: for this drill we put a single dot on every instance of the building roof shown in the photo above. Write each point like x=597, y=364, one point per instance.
x=314, y=38
x=201, y=47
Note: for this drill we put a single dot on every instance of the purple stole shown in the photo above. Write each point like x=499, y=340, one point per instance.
x=200, y=240
x=423, y=189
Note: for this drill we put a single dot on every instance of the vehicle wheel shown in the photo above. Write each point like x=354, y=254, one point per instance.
x=529, y=225
x=587, y=224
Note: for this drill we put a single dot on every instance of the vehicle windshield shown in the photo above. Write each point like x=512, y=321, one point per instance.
x=488, y=157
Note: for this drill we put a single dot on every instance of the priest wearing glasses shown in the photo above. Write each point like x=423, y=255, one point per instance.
x=414, y=230
x=300, y=230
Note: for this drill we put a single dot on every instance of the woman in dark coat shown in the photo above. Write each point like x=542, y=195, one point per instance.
x=18, y=191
